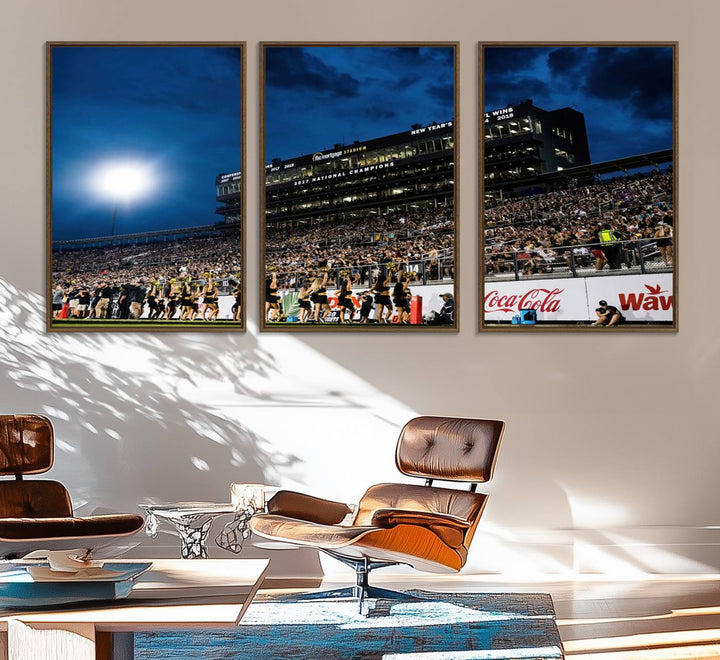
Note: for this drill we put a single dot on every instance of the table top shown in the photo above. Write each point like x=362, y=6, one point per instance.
x=174, y=593
x=189, y=508
x=198, y=508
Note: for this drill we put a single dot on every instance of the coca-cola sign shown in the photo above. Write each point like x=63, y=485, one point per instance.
x=540, y=299
x=553, y=300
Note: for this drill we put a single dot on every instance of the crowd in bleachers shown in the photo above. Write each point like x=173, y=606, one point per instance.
x=194, y=256
x=363, y=244
x=550, y=228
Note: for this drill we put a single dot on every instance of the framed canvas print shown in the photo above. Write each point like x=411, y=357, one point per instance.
x=578, y=207
x=145, y=200
x=358, y=186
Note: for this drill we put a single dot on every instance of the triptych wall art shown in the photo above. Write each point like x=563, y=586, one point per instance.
x=578, y=186
x=358, y=190
x=145, y=197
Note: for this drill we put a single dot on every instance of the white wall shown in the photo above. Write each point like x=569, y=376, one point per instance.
x=610, y=462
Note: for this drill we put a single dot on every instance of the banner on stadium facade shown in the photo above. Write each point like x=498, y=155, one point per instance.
x=553, y=300
x=647, y=298
x=641, y=298
x=431, y=127
x=499, y=115
x=343, y=174
x=226, y=178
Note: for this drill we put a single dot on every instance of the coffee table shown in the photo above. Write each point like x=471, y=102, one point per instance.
x=191, y=520
x=173, y=594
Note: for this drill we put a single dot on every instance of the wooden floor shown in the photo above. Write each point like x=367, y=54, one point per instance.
x=659, y=618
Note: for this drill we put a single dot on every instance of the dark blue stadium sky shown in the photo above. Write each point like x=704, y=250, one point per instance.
x=174, y=112
x=319, y=96
x=625, y=94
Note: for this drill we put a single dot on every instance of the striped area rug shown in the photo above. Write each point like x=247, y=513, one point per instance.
x=436, y=626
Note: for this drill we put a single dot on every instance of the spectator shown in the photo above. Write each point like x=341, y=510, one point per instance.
x=446, y=315
x=608, y=315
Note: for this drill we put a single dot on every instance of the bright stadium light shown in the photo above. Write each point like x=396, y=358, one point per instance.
x=123, y=182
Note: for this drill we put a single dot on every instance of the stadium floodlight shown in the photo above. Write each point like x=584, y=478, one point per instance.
x=122, y=182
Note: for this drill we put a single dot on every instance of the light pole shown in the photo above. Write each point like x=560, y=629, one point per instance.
x=114, y=218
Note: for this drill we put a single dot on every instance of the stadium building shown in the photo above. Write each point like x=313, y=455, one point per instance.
x=229, y=194
x=524, y=141
x=401, y=172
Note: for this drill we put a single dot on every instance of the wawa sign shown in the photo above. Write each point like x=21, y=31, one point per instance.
x=638, y=297
x=643, y=298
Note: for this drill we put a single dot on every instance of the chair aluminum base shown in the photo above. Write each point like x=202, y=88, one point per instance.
x=362, y=590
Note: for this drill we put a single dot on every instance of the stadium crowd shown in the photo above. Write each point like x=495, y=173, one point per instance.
x=181, y=278
x=382, y=254
x=565, y=225
x=169, y=280
x=364, y=245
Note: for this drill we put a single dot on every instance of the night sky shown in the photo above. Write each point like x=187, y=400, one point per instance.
x=319, y=96
x=175, y=111
x=625, y=93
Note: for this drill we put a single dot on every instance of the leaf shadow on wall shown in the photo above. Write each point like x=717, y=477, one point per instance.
x=130, y=410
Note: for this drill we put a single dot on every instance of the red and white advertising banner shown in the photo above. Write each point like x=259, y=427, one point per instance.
x=553, y=300
x=639, y=297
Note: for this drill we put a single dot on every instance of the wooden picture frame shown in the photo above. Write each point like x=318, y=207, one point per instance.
x=368, y=198
x=562, y=246
x=137, y=134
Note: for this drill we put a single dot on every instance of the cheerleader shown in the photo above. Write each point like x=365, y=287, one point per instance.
x=237, y=306
x=401, y=297
x=318, y=295
x=152, y=300
x=210, y=300
x=195, y=302
x=366, y=306
x=170, y=293
x=382, y=295
x=344, y=296
x=272, y=298
x=304, y=301
x=186, y=300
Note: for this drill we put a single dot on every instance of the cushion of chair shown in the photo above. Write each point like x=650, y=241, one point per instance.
x=35, y=498
x=22, y=529
x=305, y=532
x=449, y=448
x=414, y=497
x=26, y=444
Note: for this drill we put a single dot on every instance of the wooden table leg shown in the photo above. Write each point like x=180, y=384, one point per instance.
x=114, y=646
x=3, y=645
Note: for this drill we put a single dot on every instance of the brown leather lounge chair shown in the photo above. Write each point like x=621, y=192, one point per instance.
x=427, y=527
x=37, y=514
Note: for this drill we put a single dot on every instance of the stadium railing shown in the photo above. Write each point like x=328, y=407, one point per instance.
x=428, y=269
x=641, y=257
